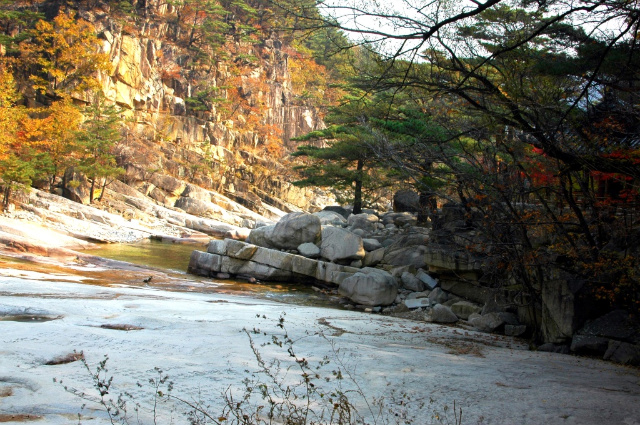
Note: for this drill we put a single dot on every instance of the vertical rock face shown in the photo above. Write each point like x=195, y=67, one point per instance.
x=212, y=143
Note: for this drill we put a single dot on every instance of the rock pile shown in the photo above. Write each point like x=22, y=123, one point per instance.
x=376, y=262
x=387, y=264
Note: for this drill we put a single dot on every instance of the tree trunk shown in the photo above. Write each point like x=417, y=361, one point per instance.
x=105, y=182
x=357, y=195
x=7, y=197
x=93, y=185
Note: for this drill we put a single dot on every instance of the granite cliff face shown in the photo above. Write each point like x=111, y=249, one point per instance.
x=220, y=144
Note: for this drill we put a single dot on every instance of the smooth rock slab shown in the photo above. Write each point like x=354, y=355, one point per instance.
x=417, y=302
x=391, y=354
x=424, y=277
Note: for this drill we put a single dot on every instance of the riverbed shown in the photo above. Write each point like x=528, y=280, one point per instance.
x=192, y=329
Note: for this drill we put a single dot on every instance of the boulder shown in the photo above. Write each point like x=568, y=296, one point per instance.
x=514, y=330
x=217, y=246
x=295, y=229
x=196, y=192
x=492, y=322
x=331, y=218
x=333, y=273
x=443, y=257
x=78, y=192
x=261, y=236
x=196, y=207
x=309, y=250
x=364, y=221
x=411, y=282
x=438, y=296
x=616, y=324
x=341, y=246
x=252, y=269
x=204, y=263
x=371, y=244
x=338, y=209
x=587, y=344
x=623, y=353
x=410, y=255
x=240, y=234
x=493, y=305
x=466, y=289
x=399, y=219
x=414, y=295
x=464, y=309
x=562, y=310
x=373, y=258
x=442, y=314
x=370, y=287
x=406, y=201
x=240, y=250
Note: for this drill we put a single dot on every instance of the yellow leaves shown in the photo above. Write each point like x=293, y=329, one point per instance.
x=66, y=53
x=9, y=113
x=308, y=79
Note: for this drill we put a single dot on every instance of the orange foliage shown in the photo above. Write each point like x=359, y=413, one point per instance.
x=66, y=54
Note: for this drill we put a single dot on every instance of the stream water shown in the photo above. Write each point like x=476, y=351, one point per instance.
x=173, y=258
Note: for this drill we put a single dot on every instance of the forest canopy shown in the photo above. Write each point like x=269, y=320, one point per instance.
x=524, y=113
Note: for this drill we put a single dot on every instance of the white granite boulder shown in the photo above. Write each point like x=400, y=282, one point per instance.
x=366, y=222
x=331, y=218
x=295, y=229
x=341, y=246
x=261, y=236
x=309, y=250
x=370, y=287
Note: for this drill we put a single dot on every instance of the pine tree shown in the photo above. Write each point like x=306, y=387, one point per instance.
x=96, y=139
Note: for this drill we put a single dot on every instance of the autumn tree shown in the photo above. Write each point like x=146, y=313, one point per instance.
x=63, y=57
x=54, y=131
x=15, y=169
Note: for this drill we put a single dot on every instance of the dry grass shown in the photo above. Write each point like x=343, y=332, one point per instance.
x=67, y=358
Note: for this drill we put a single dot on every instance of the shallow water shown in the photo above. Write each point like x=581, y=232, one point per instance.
x=27, y=318
x=174, y=258
x=149, y=253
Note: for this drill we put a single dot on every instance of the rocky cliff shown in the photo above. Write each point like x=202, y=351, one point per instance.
x=222, y=124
